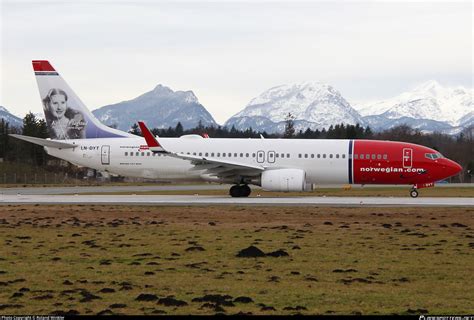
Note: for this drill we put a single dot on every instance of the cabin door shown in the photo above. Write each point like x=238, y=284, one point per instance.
x=407, y=157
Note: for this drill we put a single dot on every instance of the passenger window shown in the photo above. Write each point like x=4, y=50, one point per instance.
x=126, y=153
x=154, y=154
x=253, y=155
x=200, y=154
x=324, y=156
x=276, y=155
x=337, y=155
x=312, y=155
x=343, y=156
x=373, y=156
x=288, y=155
x=218, y=154
x=319, y=156
x=282, y=155
x=299, y=155
x=207, y=154
x=137, y=153
x=330, y=156
x=212, y=154
x=306, y=155
x=385, y=157
x=194, y=153
x=367, y=156
x=223, y=155
x=235, y=155
x=147, y=154
x=379, y=156
x=241, y=155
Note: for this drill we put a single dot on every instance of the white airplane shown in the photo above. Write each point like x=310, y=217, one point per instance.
x=274, y=164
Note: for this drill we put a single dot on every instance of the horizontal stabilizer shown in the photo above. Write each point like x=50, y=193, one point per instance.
x=44, y=142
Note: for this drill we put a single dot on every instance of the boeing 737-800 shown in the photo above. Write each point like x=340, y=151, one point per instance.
x=274, y=164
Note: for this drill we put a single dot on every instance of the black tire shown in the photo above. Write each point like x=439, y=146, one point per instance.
x=234, y=191
x=246, y=191
x=413, y=193
x=240, y=191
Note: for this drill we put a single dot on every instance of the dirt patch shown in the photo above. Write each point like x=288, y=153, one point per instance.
x=146, y=297
x=250, y=252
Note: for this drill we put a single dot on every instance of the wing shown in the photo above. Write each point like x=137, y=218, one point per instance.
x=224, y=169
x=220, y=168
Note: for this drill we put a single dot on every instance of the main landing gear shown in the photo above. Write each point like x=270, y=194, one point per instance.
x=413, y=192
x=240, y=191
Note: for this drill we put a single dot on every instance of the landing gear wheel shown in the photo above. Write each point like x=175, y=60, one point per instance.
x=245, y=190
x=413, y=193
x=240, y=191
x=234, y=191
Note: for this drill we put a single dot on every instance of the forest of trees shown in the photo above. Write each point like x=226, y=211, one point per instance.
x=459, y=148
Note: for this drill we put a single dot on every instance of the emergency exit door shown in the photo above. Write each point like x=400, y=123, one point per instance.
x=105, y=154
x=407, y=157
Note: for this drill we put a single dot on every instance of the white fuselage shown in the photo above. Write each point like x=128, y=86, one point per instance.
x=324, y=161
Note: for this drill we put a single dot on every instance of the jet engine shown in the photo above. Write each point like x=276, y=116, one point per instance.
x=285, y=180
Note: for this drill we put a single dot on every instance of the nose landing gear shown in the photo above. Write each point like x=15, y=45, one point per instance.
x=413, y=192
x=238, y=191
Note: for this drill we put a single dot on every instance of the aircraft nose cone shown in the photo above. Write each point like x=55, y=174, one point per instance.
x=453, y=168
x=456, y=167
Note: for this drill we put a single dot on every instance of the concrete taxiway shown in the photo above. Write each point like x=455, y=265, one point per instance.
x=199, y=200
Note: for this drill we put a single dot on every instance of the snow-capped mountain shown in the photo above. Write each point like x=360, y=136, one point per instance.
x=161, y=107
x=429, y=107
x=13, y=120
x=314, y=105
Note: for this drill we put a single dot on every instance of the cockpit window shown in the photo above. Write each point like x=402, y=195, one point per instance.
x=433, y=156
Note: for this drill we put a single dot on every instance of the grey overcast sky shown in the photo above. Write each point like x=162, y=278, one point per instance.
x=229, y=52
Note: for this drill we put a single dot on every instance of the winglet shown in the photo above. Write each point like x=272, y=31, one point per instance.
x=151, y=141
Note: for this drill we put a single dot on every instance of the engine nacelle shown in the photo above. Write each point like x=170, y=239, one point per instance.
x=285, y=180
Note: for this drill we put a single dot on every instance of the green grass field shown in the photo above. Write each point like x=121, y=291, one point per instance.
x=100, y=259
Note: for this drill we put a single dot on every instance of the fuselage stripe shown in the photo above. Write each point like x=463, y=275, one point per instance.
x=349, y=158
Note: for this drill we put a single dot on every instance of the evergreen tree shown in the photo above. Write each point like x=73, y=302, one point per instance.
x=135, y=129
x=289, y=126
x=179, y=129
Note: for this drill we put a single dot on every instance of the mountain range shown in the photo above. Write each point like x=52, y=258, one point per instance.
x=428, y=107
x=161, y=107
x=314, y=105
